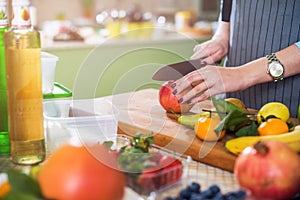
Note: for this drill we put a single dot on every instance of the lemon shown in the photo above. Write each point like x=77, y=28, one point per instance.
x=277, y=109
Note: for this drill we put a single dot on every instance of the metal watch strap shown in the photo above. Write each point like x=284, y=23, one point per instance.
x=272, y=58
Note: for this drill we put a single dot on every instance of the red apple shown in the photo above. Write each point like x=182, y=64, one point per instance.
x=169, y=101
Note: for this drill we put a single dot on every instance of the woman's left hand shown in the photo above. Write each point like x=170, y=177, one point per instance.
x=208, y=81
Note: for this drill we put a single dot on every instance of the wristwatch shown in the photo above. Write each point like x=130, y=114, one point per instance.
x=275, y=68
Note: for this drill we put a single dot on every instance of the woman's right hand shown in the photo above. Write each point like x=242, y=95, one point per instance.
x=211, y=51
x=216, y=49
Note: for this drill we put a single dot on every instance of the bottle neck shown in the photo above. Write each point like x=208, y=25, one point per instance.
x=21, y=17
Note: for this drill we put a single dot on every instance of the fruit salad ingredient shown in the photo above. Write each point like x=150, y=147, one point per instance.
x=4, y=189
x=276, y=109
x=269, y=169
x=292, y=139
x=169, y=101
x=239, y=103
x=190, y=120
x=193, y=192
x=273, y=126
x=146, y=169
x=233, y=118
x=79, y=172
x=205, y=128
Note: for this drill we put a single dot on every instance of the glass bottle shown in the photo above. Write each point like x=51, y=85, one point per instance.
x=24, y=86
x=4, y=137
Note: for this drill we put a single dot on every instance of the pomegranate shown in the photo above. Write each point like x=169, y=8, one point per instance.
x=169, y=101
x=269, y=170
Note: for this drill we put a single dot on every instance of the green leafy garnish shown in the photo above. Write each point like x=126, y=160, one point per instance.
x=23, y=186
x=233, y=119
x=134, y=157
x=249, y=130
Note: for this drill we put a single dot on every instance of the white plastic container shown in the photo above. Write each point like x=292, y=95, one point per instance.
x=49, y=62
x=87, y=122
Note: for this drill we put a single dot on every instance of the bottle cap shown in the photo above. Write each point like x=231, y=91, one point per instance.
x=21, y=17
x=3, y=14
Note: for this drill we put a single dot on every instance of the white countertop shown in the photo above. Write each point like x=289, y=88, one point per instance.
x=93, y=41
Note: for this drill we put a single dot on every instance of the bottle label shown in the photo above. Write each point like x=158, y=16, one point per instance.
x=21, y=17
x=24, y=85
x=3, y=16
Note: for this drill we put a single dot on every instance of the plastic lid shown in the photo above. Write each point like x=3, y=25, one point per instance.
x=4, y=143
x=59, y=91
x=47, y=56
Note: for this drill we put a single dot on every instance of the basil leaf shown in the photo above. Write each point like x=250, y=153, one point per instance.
x=250, y=130
x=23, y=184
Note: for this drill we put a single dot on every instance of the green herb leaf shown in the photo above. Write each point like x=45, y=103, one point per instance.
x=232, y=117
x=250, y=130
x=23, y=184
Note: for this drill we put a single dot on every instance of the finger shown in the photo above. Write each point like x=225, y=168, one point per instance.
x=189, y=96
x=205, y=95
x=199, y=54
x=187, y=81
x=213, y=59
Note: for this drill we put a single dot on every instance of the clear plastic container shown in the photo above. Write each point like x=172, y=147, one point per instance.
x=48, y=71
x=155, y=180
x=88, y=121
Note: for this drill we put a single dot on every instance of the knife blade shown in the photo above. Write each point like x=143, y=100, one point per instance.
x=177, y=70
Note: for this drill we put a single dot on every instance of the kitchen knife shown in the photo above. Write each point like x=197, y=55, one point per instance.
x=177, y=70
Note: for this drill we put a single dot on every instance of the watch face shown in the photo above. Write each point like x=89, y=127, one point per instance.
x=275, y=69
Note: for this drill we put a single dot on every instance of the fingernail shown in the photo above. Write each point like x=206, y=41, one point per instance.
x=203, y=62
x=174, y=92
x=173, y=85
x=180, y=100
x=189, y=102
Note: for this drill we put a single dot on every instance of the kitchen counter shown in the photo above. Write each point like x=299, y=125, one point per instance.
x=94, y=41
x=147, y=116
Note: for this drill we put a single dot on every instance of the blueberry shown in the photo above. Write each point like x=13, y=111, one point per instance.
x=230, y=196
x=194, y=187
x=197, y=196
x=218, y=196
x=185, y=193
x=240, y=194
x=168, y=198
x=214, y=189
x=207, y=194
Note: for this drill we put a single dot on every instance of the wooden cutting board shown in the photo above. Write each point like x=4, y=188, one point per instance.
x=141, y=111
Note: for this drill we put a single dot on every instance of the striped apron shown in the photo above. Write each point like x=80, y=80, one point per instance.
x=259, y=28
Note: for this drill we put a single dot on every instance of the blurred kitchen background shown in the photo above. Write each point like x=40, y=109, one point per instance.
x=110, y=18
x=108, y=47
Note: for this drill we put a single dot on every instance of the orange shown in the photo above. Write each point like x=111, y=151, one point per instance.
x=205, y=128
x=272, y=126
x=4, y=189
x=82, y=172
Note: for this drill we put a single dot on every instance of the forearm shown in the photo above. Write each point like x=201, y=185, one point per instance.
x=223, y=31
x=255, y=72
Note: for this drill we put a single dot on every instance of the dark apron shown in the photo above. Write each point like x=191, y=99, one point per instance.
x=259, y=28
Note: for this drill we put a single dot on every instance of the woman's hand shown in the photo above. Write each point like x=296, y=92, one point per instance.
x=211, y=51
x=215, y=49
x=209, y=81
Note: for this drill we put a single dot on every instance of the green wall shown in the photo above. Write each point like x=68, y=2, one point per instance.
x=117, y=66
